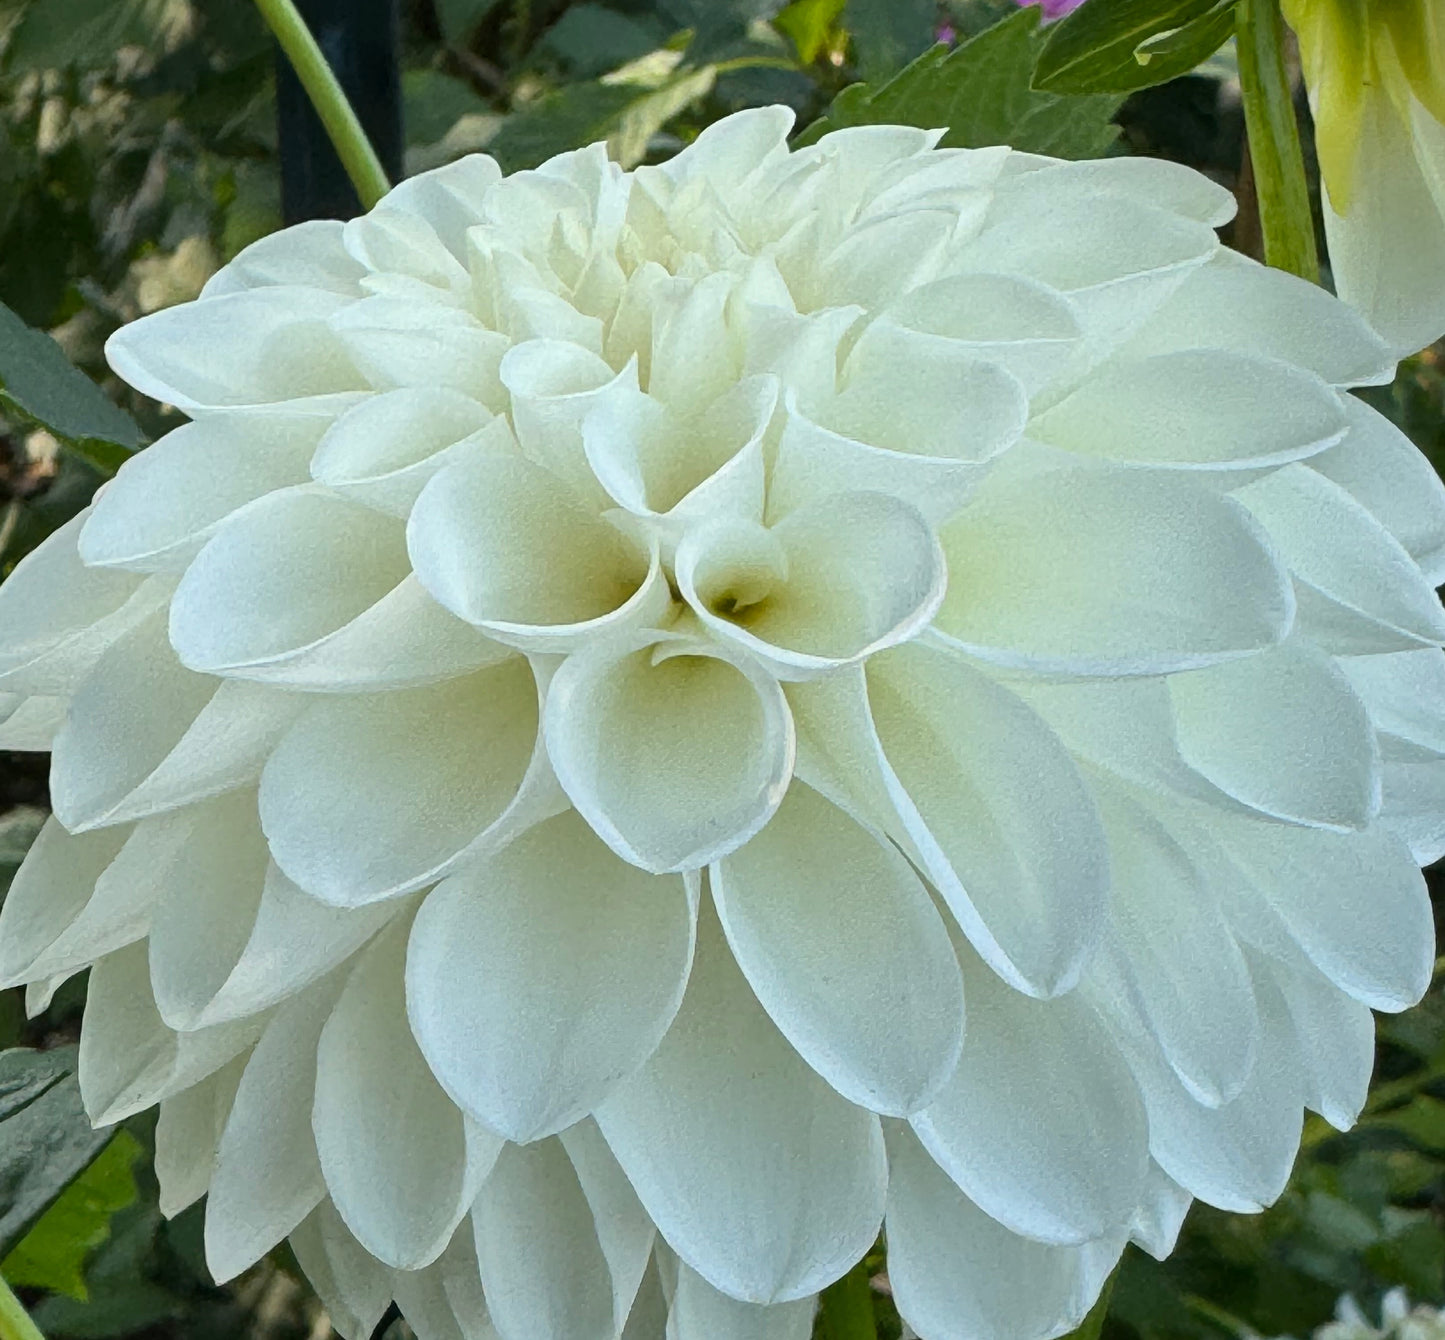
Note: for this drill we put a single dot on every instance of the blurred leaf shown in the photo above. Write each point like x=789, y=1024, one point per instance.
x=46, y=1140
x=37, y=379
x=887, y=34
x=1117, y=46
x=53, y=1254
x=1421, y=1120
x=433, y=102
x=646, y=116
x=459, y=18
x=573, y=116
x=591, y=39
x=980, y=91
x=19, y=827
x=810, y=26
x=53, y=35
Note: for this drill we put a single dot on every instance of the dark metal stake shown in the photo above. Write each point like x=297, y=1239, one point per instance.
x=359, y=39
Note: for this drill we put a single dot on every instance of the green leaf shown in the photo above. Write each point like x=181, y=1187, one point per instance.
x=592, y=39
x=1117, y=46
x=54, y=36
x=887, y=34
x=1422, y=1120
x=459, y=18
x=52, y=1255
x=573, y=116
x=627, y=144
x=46, y=1140
x=38, y=380
x=433, y=102
x=809, y=25
x=980, y=91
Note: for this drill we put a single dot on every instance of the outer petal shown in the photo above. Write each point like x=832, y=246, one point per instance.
x=310, y=253
x=1161, y=1214
x=844, y=948
x=675, y=751
x=188, y=1132
x=700, y=1312
x=1041, y=1125
x=1359, y=590
x=539, y=977
x=1198, y=409
x=354, y=1286
x=167, y=500
x=997, y=812
x=959, y=1275
x=768, y=1195
x=1282, y=732
x=252, y=347
x=542, y=1267
x=1110, y=573
x=402, y=1164
x=369, y=797
x=267, y=1177
x=1335, y=1036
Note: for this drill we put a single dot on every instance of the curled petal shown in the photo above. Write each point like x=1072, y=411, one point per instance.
x=675, y=751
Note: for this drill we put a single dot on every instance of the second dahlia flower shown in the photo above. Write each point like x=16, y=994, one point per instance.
x=654, y=725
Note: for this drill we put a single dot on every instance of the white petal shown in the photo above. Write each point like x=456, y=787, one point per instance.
x=368, y=797
x=462, y=1286
x=402, y=1164
x=129, y=1059
x=539, y=977
x=188, y=1131
x=267, y=1178
x=700, y=1312
x=1380, y=467
x=1335, y=1037
x=309, y=254
x=1110, y=573
x=1160, y=1215
x=30, y=725
x=834, y=581
x=542, y=1267
x=249, y=347
x=58, y=616
x=1170, y=956
x=1368, y=594
x=997, y=812
x=1233, y=302
x=1282, y=732
x=167, y=500
x=770, y=1194
x=353, y=1285
x=503, y=544
x=1195, y=409
x=1041, y=1124
x=1413, y=805
x=844, y=948
x=1356, y=903
x=1155, y=181
x=1019, y=324
x=673, y=750
x=958, y=1274
x=384, y=450
x=1404, y=692
x=49, y=893
x=450, y=198
x=1238, y=1156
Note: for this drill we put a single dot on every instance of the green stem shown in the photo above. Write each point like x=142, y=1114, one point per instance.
x=1274, y=144
x=15, y=1323
x=848, y=1307
x=336, y=113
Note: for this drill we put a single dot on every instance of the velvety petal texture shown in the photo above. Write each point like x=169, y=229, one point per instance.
x=654, y=726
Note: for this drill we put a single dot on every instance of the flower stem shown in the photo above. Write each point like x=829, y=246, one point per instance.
x=326, y=94
x=848, y=1307
x=15, y=1323
x=1274, y=143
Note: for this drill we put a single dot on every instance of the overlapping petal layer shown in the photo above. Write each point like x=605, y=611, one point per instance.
x=653, y=725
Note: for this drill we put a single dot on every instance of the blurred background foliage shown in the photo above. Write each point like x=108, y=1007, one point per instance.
x=138, y=153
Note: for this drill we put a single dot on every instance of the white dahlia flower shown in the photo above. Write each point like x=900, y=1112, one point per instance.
x=616, y=661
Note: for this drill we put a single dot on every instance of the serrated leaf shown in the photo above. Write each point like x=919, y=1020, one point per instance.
x=52, y=1255
x=46, y=1140
x=38, y=380
x=980, y=90
x=1113, y=46
x=887, y=34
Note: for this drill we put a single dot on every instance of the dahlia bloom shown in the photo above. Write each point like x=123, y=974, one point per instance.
x=618, y=661
x=1375, y=70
